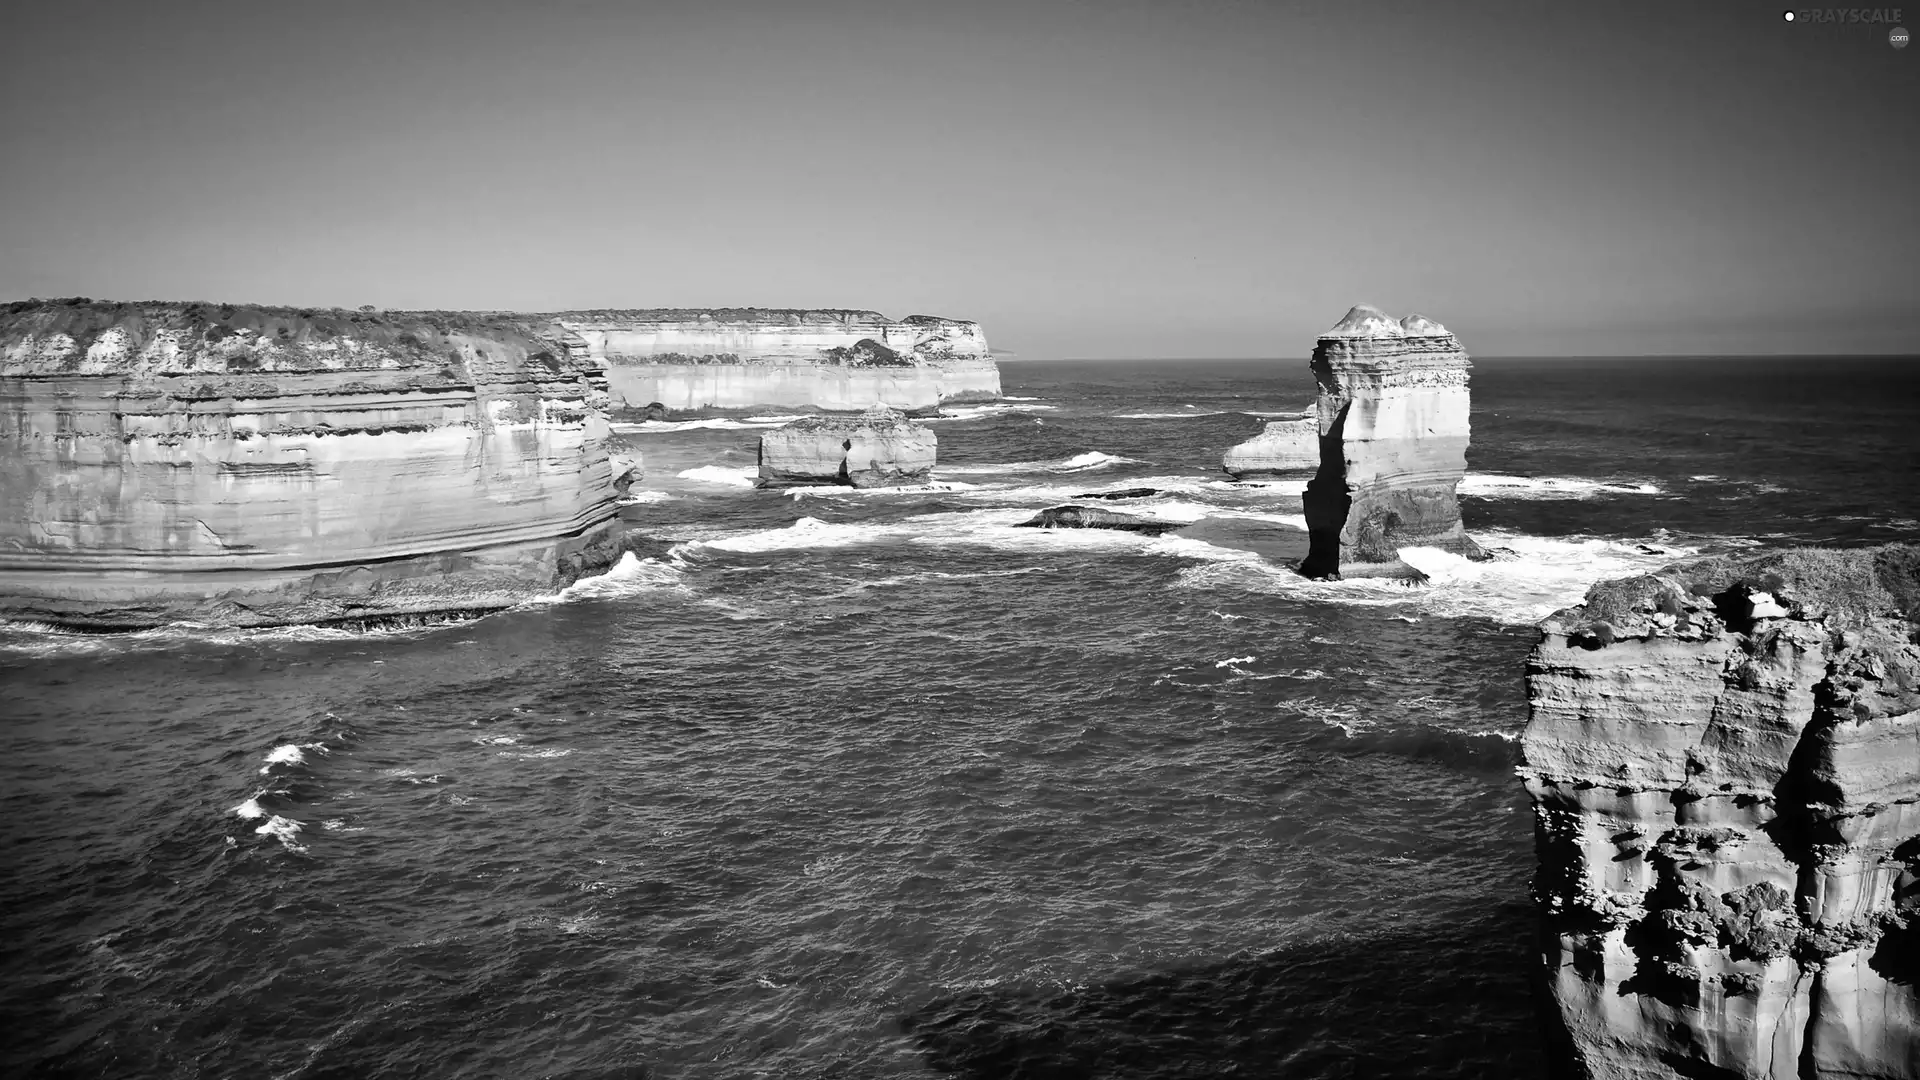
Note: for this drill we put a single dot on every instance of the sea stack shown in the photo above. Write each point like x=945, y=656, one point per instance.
x=1287, y=449
x=836, y=360
x=1724, y=762
x=1393, y=423
x=251, y=466
x=880, y=448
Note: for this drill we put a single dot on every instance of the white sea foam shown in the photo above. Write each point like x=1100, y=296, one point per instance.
x=1500, y=486
x=730, y=475
x=635, y=498
x=977, y=412
x=837, y=491
x=992, y=528
x=534, y=755
x=1545, y=575
x=1193, y=412
x=1094, y=459
x=251, y=810
x=284, y=830
x=630, y=576
x=286, y=754
x=1232, y=661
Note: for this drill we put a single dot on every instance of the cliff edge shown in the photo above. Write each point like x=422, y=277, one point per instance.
x=244, y=465
x=1724, y=762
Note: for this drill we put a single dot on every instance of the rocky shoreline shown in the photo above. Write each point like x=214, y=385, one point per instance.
x=1724, y=764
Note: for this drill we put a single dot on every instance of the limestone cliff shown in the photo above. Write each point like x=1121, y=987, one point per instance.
x=1724, y=761
x=881, y=448
x=1393, y=422
x=1285, y=449
x=739, y=358
x=255, y=466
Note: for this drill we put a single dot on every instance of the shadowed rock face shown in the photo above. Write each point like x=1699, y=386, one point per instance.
x=1724, y=761
x=255, y=466
x=1285, y=449
x=880, y=449
x=1393, y=425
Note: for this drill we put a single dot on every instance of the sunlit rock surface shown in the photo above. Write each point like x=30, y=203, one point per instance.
x=880, y=448
x=1393, y=425
x=1724, y=762
x=254, y=466
x=740, y=358
x=1286, y=449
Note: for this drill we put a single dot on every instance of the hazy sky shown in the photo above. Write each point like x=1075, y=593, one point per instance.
x=1112, y=178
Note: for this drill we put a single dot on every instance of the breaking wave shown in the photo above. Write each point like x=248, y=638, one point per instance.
x=1500, y=486
x=1541, y=576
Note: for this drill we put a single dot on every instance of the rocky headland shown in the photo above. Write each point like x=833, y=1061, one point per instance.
x=1392, y=422
x=1724, y=763
x=880, y=448
x=249, y=466
x=1286, y=449
x=693, y=360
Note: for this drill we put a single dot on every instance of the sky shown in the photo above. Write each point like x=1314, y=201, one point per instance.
x=1181, y=178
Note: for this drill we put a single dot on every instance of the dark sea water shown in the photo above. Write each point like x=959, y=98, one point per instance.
x=877, y=785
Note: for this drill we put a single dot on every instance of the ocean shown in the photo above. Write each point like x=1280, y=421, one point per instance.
x=858, y=784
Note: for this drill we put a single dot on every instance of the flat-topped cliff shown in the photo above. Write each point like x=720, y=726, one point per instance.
x=738, y=358
x=1724, y=761
x=249, y=465
x=1393, y=417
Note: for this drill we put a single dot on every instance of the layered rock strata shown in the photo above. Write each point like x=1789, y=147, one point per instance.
x=743, y=358
x=1286, y=449
x=256, y=466
x=880, y=448
x=1724, y=762
x=1393, y=424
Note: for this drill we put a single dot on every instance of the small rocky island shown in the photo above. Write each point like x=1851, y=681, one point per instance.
x=1393, y=425
x=1286, y=449
x=880, y=448
x=1724, y=762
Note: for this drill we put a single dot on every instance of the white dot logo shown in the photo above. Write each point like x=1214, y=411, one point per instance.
x=1898, y=37
x=1789, y=16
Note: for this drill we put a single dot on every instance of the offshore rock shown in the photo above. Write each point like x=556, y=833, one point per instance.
x=782, y=358
x=1724, y=763
x=1123, y=493
x=1095, y=517
x=253, y=466
x=626, y=470
x=1392, y=423
x=881, y=448
x=1286, y=449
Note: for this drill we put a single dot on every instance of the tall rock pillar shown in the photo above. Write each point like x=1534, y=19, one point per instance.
x=1393, y=426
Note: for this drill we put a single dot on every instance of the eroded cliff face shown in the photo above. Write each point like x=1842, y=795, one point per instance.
x=1285, y=449
x=739, y=358
x=1393, y=426
x=881, y=448
x=1724, y=761
x=255, y=466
